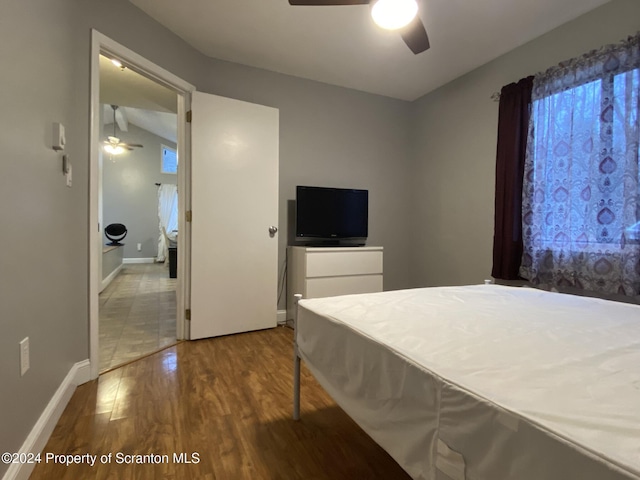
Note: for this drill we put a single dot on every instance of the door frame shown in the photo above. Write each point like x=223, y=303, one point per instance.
x=101, y=44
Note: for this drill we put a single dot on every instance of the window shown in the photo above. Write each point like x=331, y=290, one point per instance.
x=581, y=197
x=169, y=161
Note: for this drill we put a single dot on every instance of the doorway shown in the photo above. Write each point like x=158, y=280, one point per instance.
x=141, y=288
x=138, y=179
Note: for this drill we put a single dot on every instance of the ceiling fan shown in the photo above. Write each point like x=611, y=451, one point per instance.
x=113, y=145
x=386, y=14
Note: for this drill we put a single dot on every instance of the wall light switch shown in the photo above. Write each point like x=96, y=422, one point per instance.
x=59, y=139
x=69, y=176
x=139, y=247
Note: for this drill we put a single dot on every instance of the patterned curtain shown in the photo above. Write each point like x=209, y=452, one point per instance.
x=581, y=197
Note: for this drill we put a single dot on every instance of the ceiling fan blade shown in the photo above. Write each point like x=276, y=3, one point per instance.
x=320, y=3
x=415, y=36
x=132, y=145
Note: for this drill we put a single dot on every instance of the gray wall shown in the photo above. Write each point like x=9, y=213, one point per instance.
x=442, y=148
x=454, y=142
x=130, y=195
x=329, y=136
x=43, y=265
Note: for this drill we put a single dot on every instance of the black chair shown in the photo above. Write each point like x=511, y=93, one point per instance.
x=115, y=232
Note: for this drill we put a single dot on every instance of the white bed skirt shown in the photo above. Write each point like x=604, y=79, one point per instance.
x=484, y=382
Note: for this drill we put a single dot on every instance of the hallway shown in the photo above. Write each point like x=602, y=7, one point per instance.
x=137, y=314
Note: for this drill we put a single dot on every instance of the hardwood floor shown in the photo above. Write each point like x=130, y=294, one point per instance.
x=226, y=399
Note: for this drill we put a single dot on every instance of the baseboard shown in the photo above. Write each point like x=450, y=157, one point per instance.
x=139, y=260
x=37, y=439
x=282, y=317
x=110, y=277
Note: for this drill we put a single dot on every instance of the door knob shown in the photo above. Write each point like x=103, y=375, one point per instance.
x=273, y=230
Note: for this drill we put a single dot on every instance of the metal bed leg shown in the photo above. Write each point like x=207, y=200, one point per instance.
x=296, y=362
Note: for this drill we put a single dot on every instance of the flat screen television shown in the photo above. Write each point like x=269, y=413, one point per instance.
x=331, y=216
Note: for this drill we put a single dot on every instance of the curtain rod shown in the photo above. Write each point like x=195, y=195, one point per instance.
x=158, y=184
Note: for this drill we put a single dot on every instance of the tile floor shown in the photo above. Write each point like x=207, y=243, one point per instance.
x=137, y=314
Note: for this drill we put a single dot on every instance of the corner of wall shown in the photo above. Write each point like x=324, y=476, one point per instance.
x=38, y=437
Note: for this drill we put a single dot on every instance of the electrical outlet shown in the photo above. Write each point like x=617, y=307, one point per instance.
x=24, y=356
x=139, y=247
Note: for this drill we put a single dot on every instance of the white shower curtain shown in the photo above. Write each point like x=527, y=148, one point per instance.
x=168, y=216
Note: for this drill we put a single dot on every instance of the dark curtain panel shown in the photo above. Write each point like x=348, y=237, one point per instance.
x=513, y=124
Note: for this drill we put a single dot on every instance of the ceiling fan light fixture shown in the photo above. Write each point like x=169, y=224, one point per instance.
x=394, y=14
x=114, y=149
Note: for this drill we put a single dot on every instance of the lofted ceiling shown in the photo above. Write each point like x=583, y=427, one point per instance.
x=140, y=101
x=128, y=88
x=341, y=45
x=162, y=124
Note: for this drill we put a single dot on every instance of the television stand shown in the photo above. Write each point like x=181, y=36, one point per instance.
x=316, y=272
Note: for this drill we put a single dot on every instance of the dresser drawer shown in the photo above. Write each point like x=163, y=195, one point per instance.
x=343, y=263
x=331, y=271
x=330, y=287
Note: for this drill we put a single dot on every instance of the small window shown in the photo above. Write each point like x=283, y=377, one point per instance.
x=169, y=160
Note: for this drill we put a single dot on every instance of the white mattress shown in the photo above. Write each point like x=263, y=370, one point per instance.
x=484, y=382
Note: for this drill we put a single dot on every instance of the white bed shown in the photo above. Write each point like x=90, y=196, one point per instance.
x=483, y=382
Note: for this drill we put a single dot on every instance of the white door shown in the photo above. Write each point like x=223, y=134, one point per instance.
x=234, y=200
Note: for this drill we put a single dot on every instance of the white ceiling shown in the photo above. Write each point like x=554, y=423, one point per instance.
x=124, y=87
x=162, y=124
x=141, y=101
x=341, y=45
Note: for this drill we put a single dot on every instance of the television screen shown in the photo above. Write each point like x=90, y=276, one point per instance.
x=326, y=214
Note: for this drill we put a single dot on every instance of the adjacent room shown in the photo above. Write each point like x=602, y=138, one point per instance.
x=138, y=194
x=465, y=251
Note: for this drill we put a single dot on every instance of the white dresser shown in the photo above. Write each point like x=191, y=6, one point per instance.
x=324, y=272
